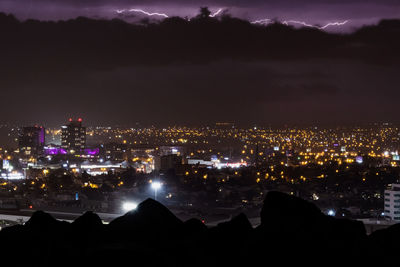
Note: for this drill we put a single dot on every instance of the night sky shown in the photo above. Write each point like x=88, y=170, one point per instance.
x=194, y=73
x=359, y=12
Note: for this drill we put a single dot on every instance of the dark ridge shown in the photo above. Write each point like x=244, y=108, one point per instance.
x=41, y=221
x=150, y=217
x=238, y=224
x=194, y=226
x=88, y=220
x=278, y=208
x=385, y=242
x=293, y=232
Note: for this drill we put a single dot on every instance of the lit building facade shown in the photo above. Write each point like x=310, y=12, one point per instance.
x=31, y=140
x=392, y=202
x=115, y=151
x=73, y=136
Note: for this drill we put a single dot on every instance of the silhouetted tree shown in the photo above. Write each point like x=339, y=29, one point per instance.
x=204, y=13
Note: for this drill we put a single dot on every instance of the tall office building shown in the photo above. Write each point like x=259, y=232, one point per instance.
x=392, y=202
x=31, y=140
x=73, y=136
x=115, y=151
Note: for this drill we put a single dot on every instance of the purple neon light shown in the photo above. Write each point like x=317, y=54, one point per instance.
x=92, y=151
x=41, y=136
x=55, y=151
x=62, y=151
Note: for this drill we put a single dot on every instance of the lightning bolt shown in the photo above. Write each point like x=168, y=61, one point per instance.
x=315, y=26
x=150, y=14
x=260, y=21
x=303, y=23
x=120, y=11
x=216, y=13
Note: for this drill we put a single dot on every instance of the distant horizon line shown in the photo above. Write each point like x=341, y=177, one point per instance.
x=263, y=22
x=208, y=124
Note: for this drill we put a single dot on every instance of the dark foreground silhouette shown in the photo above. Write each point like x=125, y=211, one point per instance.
x=293, y=232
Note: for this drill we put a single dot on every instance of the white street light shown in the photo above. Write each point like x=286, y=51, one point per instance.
x=331, y=213
x=155, y=186
x=128, y=206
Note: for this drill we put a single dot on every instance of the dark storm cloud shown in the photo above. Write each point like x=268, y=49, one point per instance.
x=288, y=92
x=196, y=72
x=200, y=2
x=160, y=4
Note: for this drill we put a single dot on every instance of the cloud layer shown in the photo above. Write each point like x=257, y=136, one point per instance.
x=197, y=72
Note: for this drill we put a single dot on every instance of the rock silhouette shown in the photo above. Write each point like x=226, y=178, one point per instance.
x=194, y=226
x=41, y=221
x=148, y=214
x=87, y=221
x=293, y=232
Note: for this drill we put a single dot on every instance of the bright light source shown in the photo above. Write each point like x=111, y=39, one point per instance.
x=127, y=206
x=13, y=175
x=156, y=185
x=331, y=213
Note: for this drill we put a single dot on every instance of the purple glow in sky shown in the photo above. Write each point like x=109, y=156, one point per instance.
x=311, y=12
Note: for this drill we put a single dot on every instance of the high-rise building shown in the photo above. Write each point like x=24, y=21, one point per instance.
x=167, y=162
x=392, y=202
x=115, y=151
x=73, y=136
x=31, y=140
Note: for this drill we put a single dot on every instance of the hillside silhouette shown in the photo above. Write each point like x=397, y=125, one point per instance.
x=293, y=232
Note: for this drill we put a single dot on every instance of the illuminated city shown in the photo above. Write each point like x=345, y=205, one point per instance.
x=324, y=165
